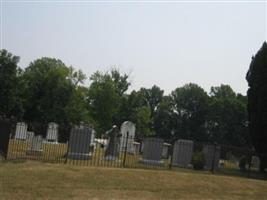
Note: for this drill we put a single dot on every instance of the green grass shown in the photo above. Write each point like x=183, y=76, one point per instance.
x=37, y=180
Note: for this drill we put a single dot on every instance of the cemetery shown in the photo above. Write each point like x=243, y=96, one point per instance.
x=119, y=148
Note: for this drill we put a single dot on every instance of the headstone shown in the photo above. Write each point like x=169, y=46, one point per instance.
x=127, y=127
x=52, y=132
x=182, y=153
x=29, y=137
x=152, y=151
x=165, y=150
x=101, y=143
x=80, y=143
x=255, y=162
x=112, y=151
x=136, y=148
x=35, y=146
x=211, y=153
x=21, y=131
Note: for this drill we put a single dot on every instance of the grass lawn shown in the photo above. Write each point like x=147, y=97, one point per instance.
x=37, y=180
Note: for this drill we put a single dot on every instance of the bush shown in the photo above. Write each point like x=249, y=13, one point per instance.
x=198, y=160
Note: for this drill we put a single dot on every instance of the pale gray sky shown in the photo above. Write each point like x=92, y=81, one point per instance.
x=163, y=43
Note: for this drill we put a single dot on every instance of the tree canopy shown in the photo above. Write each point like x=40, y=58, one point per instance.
x=49, y=90
x=257, y=103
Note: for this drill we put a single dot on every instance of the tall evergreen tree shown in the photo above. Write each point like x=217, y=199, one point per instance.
x=257, y=103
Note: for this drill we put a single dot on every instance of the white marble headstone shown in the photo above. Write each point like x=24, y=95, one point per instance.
x=30, y=135
x=130, y=128
x=52, y=132
x=21, y=131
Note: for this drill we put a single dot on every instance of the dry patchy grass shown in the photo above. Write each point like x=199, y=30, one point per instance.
x=35, y=180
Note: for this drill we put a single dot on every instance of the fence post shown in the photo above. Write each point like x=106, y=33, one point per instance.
x=66, y=159
x=171, y=152
x=125, y=152
x=213, y=159
x=249, y=157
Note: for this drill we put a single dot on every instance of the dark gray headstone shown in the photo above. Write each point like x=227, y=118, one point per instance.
x=211, y=153
x=80, y=143
x=112, y=151
x=152, y=151
x=182, y=153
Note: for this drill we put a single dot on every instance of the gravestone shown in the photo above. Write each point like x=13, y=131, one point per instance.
x=29, y=137
x=80, y=143
x=52, y=132
x=21, y=131
x=211, y=153
x=255, y=162
x=35, y=146
x=165, y=150
x=136, y=148
x=152, y=151
x=112, y=151
x=127, y=127
x=182, y=153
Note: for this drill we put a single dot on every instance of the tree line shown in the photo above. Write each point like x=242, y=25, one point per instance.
x=48, y=90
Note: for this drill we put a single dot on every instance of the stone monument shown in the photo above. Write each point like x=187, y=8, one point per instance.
x=182, y=153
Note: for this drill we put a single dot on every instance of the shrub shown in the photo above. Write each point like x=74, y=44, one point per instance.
x=198, y=160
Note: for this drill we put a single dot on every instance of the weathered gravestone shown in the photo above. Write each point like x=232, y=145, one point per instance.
x=165, y=150
x=136, y=148
x=112, y=151
x=127, y=127
x=21, y=131
x=152, y=151
x=35, y=146
x=255, y=162
x=79, y=145
x=52, y=132
x=212, y=156
x=182, y=153
x=29, y=137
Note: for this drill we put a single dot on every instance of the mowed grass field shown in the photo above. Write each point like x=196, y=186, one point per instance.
x=38, y=180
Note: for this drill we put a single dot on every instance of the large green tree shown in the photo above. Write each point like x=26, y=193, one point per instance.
x=10, y=87
x=107, y=99
x=190, y=107
x=257, y=103
x=227, y=118
x=50, y=91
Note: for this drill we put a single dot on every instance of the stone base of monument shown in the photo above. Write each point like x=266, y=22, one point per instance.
x=151, y=162
x=79, y=156
x=32, y=152
x=111, y=158
x=189, y=166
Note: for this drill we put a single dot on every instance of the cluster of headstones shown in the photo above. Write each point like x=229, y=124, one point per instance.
x=35, y=142
x=82, y=143
x=153, y=149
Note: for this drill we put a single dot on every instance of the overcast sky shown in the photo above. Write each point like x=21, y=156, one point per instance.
x=164, y=43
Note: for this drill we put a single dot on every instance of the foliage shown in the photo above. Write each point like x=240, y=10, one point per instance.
x=226, y=121
x=198, y=160
x=105, y=98
x=10, y=104
x=50, y=91
x=257, y=103
x=190, y=105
